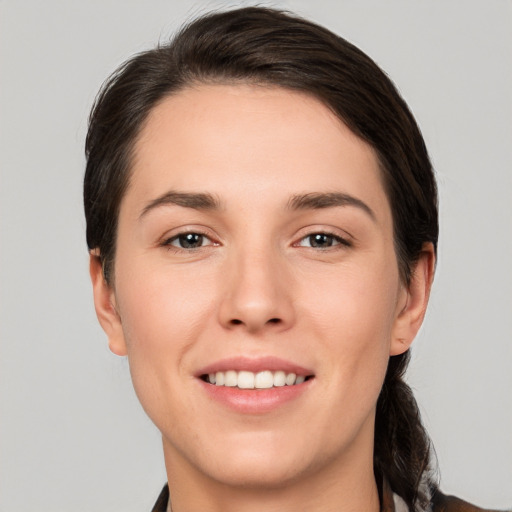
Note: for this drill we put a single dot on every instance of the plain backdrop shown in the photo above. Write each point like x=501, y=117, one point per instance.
x=73, y=436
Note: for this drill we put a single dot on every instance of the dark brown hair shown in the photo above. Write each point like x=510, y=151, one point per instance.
x=270, y=47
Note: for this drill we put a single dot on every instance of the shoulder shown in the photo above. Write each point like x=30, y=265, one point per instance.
x=443, y=503
x=438, y=502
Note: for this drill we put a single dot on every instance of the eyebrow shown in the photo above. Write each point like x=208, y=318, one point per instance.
x=196, y=201
x=309, y=201
x=319, y=200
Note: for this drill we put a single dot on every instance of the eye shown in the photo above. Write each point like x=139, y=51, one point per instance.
x=188, y=241
x=322, y=241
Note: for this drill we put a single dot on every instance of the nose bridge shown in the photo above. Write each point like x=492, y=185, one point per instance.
x=255, y=289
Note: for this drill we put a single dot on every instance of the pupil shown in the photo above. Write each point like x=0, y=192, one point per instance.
x=191, y=240
x=321, y=240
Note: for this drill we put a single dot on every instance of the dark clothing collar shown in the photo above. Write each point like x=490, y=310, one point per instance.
x=161, y=502
x=387, y=502
x=440, y=502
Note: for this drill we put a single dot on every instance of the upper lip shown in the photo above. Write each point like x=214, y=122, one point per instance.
x=255, y=365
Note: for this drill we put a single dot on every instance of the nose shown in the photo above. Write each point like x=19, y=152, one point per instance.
x=257, y=292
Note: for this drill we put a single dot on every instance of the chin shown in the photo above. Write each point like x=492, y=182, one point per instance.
x=251, y=461
x=258, y=472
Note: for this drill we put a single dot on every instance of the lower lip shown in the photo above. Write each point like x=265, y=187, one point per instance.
x=255, y=401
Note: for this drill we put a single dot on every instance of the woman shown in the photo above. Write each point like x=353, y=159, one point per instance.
x=262, y=223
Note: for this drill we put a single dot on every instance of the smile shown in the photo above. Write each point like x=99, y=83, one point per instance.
x=250, y=380
x=257, y=385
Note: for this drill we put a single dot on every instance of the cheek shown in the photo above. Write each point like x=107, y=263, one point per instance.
x=167, y=316
x=161, y=307
x=163, y=315
x=353, y=314
x=353, y=301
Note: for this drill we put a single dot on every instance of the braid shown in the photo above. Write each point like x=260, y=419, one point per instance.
x=402, y=446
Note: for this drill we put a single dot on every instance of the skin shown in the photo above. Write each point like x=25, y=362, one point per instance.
x=257, y=287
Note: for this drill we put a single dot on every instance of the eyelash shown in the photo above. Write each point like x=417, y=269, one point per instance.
x=336, y=240
x=168, y=243
x=333, y=239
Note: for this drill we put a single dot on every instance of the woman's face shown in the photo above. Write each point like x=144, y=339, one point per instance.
x=256, y=237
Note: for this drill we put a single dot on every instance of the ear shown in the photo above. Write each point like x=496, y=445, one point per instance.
x=413, y=300
x=105, y=305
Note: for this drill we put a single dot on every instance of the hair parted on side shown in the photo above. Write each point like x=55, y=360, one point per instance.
x=270, y=47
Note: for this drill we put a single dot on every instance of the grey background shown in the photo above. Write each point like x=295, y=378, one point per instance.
x=73, y=436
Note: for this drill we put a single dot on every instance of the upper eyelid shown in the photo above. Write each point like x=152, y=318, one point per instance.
x=175, y=237
x=185, y=230
x=168, y=242
x=301, y=234
x=344, y=241
x=331, y=231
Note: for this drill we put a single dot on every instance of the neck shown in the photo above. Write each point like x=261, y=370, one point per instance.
x=349, y=486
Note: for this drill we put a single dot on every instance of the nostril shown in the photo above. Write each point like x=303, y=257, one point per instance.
x=236, y=321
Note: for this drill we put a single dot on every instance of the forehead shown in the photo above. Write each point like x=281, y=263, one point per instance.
x=250, y=140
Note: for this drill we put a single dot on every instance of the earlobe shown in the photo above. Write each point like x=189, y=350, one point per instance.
x=104, y=304
x=412, y=307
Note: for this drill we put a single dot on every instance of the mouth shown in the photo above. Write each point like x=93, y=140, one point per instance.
x=266, y=379
x=255, y=385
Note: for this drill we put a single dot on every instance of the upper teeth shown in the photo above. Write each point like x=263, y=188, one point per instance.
x=250, y=380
